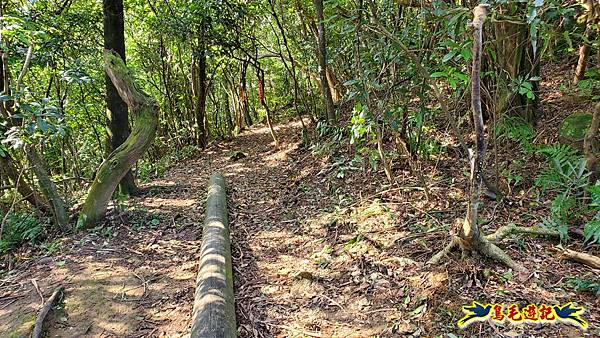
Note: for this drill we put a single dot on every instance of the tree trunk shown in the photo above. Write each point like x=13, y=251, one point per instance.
x=49, y=189
x=201, y=98
x=7, y=166
x=292, y=70
x=516, y=60
x=116, y=109
x=332, y=82
x=112, y=170
x=590, y=33
x=470, y=230
x=213, y=314
x=322, y=55
x=260, y=74
x=244, y=104
x=469, y=237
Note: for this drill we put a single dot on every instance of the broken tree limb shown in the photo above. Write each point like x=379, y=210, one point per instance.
x=469, y=235
x=39, y=323
x=587, y=259
x=214, y=311
x=113, y=169
x=470, y=231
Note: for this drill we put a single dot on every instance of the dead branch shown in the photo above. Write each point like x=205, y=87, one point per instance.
x=39, y=323
x=587, y=259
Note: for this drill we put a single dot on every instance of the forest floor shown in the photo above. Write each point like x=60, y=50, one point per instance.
x=322, y=247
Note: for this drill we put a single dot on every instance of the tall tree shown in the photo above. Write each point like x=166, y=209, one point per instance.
x=199, y=79
x=116, y=109
x=322, y=54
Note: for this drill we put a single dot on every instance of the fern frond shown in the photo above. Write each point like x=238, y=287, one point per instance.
x=591, y=231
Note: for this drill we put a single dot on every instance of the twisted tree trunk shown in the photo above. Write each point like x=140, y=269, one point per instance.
x=116, y=109
x=145, y=112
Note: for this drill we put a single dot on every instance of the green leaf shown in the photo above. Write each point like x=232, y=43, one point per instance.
x=466, y=54
x=421, y=308
x=448, y=56
x=591, y=231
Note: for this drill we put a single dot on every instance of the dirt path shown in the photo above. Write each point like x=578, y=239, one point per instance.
x=317, y=252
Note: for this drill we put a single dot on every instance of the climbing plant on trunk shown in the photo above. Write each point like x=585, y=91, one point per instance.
x=145, y=112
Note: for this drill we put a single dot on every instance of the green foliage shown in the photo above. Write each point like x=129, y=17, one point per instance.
x=567, y=172
x=328, y=140
x=575, y=126
x=591, y=229
x=18, y=228
x=568, y=177
x=589, y=86
x=515, y=128
x=148, y=168
x=511, y=173
x=584, y=285
x=524, y=86
x=360, y=124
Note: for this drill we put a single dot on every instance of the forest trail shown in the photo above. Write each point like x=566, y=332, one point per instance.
x=135, y=275
x=320, y=249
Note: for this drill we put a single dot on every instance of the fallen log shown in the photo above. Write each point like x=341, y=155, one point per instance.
x=214, y=311
x=39, y=323
x=581, y=257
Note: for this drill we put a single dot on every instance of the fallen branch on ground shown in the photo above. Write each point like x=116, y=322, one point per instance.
x=587, y=259
x=39, y=323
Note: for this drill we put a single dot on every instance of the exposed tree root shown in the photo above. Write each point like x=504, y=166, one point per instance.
x=513, y=229
x=485, y=245
x=454, y=240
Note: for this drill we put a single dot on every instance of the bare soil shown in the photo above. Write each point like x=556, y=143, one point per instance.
x=322, y=247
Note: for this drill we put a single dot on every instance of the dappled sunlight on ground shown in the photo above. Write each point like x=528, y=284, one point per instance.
x=318, y=250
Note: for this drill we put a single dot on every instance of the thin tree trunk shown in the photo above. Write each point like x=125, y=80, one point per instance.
x=291, y=71
x=590, y=33
x=49, y=189
x=200, y=93
x=469, y=237
x=260, y=74
x=8, y=167
x=112, y=170
x=244, y=104
x=322, y=56
x=470, y=230
x=116, y=109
